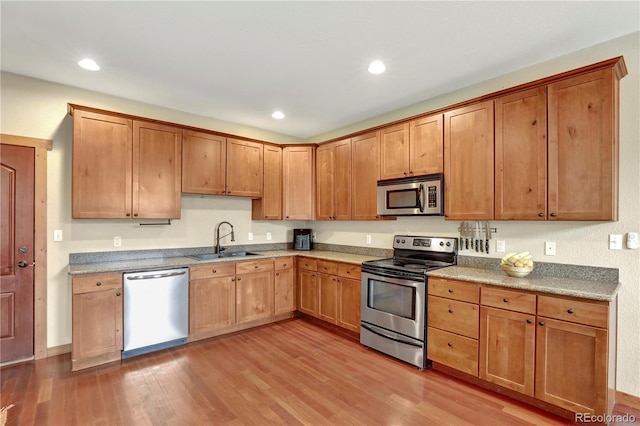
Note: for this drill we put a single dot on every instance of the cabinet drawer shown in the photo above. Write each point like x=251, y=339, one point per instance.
x=454, y=316
x=264, y=265
x=581, y=312
x=281, y=263
x=327, y=267
x=452, y=289
x=96, y=282
x=348, y=270
x=211, y=270
x=455, y=351
x=308, y=263
x=508, y=299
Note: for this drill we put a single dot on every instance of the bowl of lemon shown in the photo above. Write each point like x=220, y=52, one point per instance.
x=517, y=264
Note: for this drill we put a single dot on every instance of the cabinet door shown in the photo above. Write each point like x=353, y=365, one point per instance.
x=204, y=159
x=468, y=159
x=244, y=168
x=349, y=304
x=212, y=304
x=307, y=292
x=97, y=326
x=521, y=156
x=394, y=151
x=157, y=170
x=270, y=205
x=328, y=297
x=507, y=349
x=571, y=366
x=583, y=148
x=426, y=145
x=365, y=170
x=254, y=296
x=342, y=180
x=298, y=176
x=325, y=182
x=102, y=167
x=285, y=296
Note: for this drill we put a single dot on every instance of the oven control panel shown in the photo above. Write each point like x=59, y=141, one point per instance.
x=407, y=242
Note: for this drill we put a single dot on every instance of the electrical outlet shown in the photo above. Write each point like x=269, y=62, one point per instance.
x=117, y=241
x=615, y=242
x=632, y=240
x=313, y=236
x=57, y=235
x=368, y=239
x=550, y=248
x=250, y=236
x=500, y=246
x=268, y=236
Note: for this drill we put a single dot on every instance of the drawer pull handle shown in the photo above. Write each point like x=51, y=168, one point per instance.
x=450, y=311
x=98, y=283
x=570, y=311
x=505, y=300
x=541, y=323
x=450, y=344
x=529, y=321
x=450, y=291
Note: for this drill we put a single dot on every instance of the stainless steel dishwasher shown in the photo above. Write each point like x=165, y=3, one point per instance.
x=156, y=310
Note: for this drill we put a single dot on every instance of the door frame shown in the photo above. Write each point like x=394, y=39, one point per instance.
x=40, y=238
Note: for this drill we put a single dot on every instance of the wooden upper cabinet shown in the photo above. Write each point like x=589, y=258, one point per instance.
x=244, y=168
x=270, y=205
x=204, y=158
x=394, y=151
x=298, y=182
x=468, y=162
x=584, y=147
x=521, y=155
x=333, y=191
x=426, y=145
x=157, y=165
x=365, y=173
x=102, y=165
x=125, y=168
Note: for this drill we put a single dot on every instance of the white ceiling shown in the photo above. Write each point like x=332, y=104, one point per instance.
x=239, y=61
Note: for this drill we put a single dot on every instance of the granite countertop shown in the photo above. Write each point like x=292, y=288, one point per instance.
x=169, y=262
x=586, y=289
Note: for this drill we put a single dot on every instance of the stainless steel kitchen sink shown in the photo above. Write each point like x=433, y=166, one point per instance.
x=212, y=256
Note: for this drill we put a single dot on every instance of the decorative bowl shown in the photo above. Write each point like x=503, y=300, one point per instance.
x=517, y=271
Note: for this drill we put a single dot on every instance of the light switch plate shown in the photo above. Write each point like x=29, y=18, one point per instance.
x=632, y=240
x=615, y=242
x=57, y=235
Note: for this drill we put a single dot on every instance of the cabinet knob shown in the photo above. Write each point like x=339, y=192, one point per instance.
x=450, y=311
x=570, y=311
x=450, y=290
x=450, y=344
x=277, y=274
x=215, y=271
x=529, y=321
x=256, y=266
x=128, y=214
x=99, y=283
x=118, y=294
x=505, y=300
x=541, y=323
x=540, y=214
x=233, y=279
x=135, y=215
x=239, y=279
x=552, y=214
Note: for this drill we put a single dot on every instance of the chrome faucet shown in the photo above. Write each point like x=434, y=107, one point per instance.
x=218, y=237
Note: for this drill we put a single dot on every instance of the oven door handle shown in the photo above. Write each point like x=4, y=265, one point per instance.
x=376, y=330
x=421, y=200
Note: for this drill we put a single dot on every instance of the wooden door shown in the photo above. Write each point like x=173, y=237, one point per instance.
x=328, y=298
x=426, y=145
x=349, y=304
x=270, y=205
x=285, y=296
x=394, y=151
x=307, y=292
x=157, y=165
x=342, y=180
x=102, y=166
x=507, y=349
x=244, y=168
x=583, y=148
x=325, y=182
x=571, y=366
x=298, y=182
x=17, y=252
x=254, y=296
x=365, y=173
x=204, y=159
x=521, y=155
x=212, y=304
x=468, y=160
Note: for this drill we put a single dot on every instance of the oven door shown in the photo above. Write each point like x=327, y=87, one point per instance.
x=395, y=304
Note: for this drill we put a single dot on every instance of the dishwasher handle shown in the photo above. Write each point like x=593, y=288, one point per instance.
x=155, y=276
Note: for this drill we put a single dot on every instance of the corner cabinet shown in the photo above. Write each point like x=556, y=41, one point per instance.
x=124, y=168
x=269, y=207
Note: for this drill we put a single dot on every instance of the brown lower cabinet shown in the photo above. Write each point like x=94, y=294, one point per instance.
x=556, y=350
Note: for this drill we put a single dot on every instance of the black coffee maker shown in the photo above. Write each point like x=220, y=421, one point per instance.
x=302, y=239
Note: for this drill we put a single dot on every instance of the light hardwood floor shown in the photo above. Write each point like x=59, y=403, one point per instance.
x=292, y=372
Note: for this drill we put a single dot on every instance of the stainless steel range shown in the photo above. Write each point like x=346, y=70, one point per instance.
x=394, y=297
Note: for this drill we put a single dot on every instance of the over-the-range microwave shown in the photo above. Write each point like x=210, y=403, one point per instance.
x=420, y=195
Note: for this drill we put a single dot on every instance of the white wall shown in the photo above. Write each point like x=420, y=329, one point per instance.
x=35, y=108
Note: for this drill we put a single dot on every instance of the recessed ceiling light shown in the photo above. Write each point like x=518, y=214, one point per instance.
x=377, y=67
x=278, y=115
x=89, y=64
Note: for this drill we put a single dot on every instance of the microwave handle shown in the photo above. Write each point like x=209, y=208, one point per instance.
x=421, y=200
